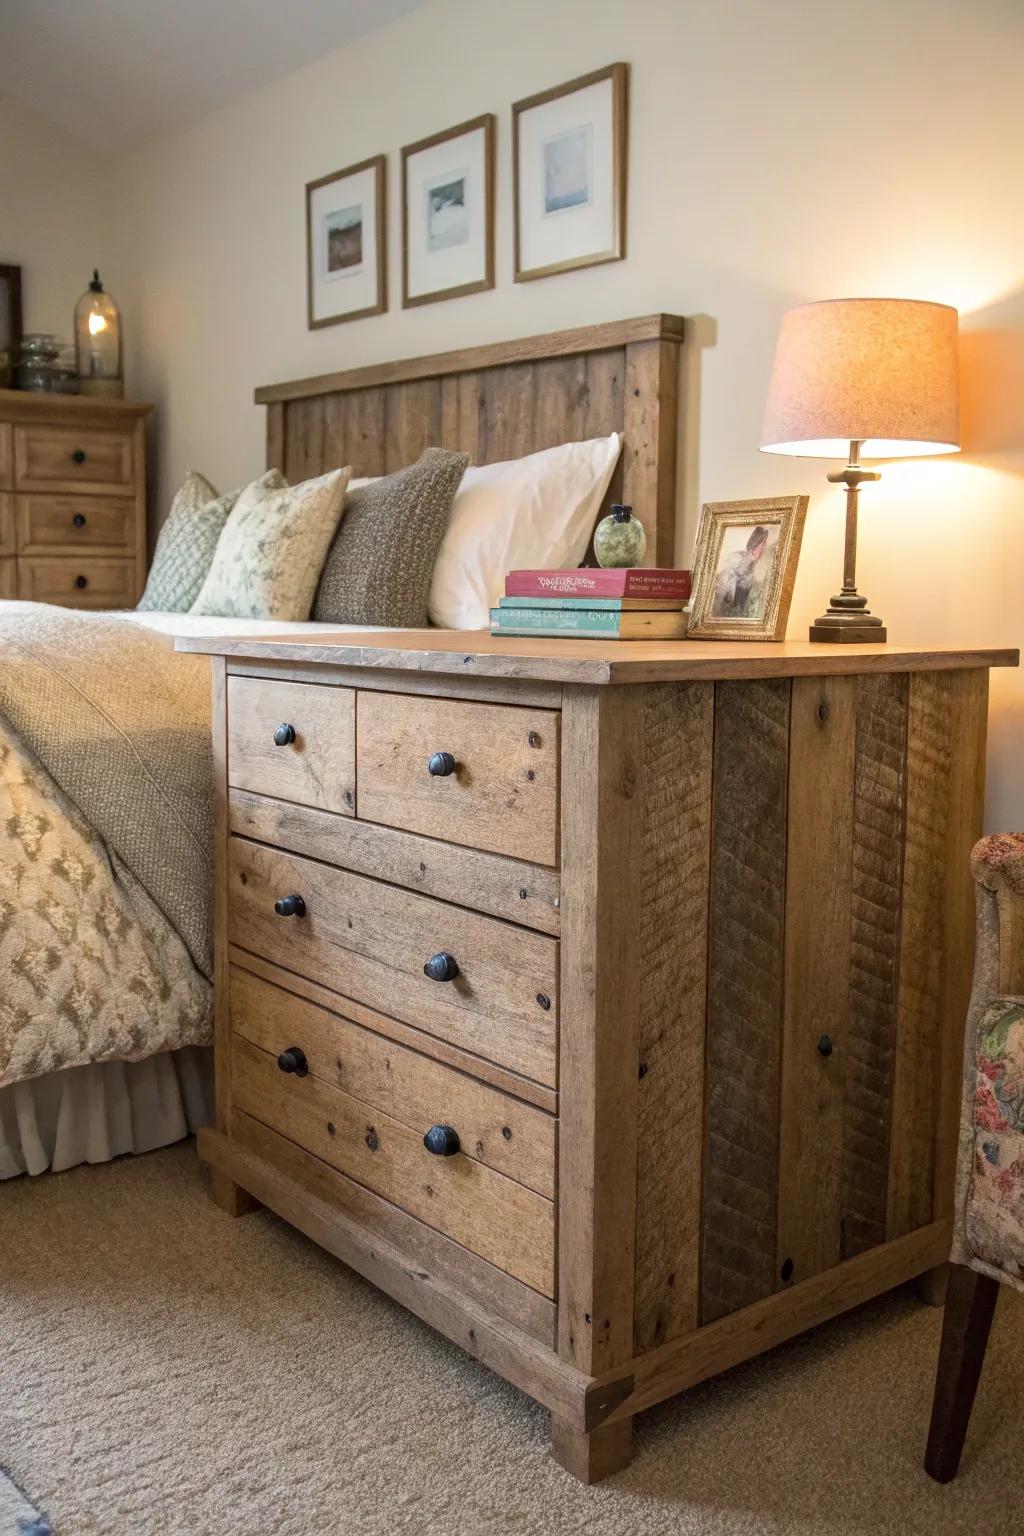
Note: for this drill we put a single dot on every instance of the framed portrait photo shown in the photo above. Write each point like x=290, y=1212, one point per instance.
x=744, y=567
x=448, y=213
x=569, y=175
x=346, y=244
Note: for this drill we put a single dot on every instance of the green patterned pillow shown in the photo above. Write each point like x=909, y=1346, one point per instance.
x=381, y=563
x=187, y=541
x=268, y=560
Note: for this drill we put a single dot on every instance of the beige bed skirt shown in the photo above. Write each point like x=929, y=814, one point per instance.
x=93, y=1113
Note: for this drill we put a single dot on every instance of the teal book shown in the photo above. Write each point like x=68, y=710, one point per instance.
x=597, y=604
x=592, y=624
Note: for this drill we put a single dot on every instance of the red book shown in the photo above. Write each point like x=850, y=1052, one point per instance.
x=587, y=582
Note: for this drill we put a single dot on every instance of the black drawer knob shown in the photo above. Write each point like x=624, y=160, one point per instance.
x=79, y=519
x=284, y=735
x=81, y=581
x=442, y=967
x=442, y=1140
x=290, y=906
x=440, y=765
x=293, y=1060
x=79, y=456
x=825, y=1045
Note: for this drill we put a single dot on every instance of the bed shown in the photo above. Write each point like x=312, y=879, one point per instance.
x=80, y=1087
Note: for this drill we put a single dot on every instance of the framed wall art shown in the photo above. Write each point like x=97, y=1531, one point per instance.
x=448, y=213
x=10, y=323
x=744, y=567
x=346, y=244
x=569, y=175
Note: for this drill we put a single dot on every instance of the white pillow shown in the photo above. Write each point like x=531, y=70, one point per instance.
x=526, y=514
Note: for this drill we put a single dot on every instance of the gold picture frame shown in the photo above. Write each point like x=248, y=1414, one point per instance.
x=744, y=567
x=576, y=199
x=375, y=170
x=458, y=176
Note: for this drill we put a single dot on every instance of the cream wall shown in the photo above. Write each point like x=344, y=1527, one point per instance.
x=54, y=215
x=779, y=152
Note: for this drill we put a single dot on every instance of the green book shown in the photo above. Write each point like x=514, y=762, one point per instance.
x=588, y=623
x=597, y=604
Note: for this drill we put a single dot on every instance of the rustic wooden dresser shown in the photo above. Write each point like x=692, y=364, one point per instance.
x=603, y=1004
x=72, y=499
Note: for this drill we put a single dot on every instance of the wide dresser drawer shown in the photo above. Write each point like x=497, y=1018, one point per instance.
x=294, y=741
x=48, y=523
x=73, y=458
x=483, y=775
x=485, y=985
x=74, y=582
x=364, y=1105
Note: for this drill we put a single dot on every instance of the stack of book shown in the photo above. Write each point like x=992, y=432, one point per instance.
x=594, y=604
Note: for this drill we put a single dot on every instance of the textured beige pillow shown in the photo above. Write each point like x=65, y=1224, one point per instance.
x=274, y=544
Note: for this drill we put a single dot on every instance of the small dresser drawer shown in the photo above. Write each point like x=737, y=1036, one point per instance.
x=495, y=991
x=511, y=1226
x=73, y=458
x=503, y=1133
x=8, y=579
x=74, y=583
x=47, y=524
x=6, y=524
x=485, y=775
x=293, y=741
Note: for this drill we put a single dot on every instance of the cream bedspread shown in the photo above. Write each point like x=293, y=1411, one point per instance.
x=105, y=844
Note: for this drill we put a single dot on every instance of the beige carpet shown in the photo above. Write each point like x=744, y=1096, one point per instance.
x=166, y=1371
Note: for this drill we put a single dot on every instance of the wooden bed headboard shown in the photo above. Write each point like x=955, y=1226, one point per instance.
x=500, y=401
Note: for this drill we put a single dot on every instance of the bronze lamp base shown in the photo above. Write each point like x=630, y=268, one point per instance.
x=849, y=621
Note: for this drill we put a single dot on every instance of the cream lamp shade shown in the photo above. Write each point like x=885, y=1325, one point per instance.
x=881, y=372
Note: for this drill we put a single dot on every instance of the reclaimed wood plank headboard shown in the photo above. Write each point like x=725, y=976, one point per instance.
x=500, y=401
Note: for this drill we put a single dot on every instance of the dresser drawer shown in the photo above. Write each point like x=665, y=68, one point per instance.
x=6, y=457
x=498, y=788
x=8, y=579
x=6, y=524
x=73, y=458
x=78, y=583
x=503, y=1133
x=49, y=524
x=371, y=941
x=504, y=1222
x=314, y=762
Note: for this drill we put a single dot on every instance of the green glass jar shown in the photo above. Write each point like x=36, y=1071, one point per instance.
x=619, y=539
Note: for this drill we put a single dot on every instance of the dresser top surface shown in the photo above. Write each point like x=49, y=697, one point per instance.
x=476, y=653
x=28, y=405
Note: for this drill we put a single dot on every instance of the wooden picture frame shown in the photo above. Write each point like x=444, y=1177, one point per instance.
x=369, y=270
x=742, y=582
x=464, y=247
x=582, y=206
x=10, y=320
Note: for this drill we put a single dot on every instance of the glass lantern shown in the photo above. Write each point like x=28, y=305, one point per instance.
x=98, y=342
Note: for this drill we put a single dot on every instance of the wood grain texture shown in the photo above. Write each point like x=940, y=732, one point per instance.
x=77, y=581
x=67, y=458
x=522, y=893
x=8, y=578
x=304, y=440
x=502, y=796
x=47, y=524
x=371, y=941
x=6, y=447
x=817, y=966
x=502, y=1133
x=744, y=1016
x=439, y=1260
x=318, y=767
x=650, y=425
x=505, y=1223
x=676, y=732
x=221, y=970
x=879, y=795
x=482, y=690
x=7, y=543
x=412, y=422
x=599, y=1027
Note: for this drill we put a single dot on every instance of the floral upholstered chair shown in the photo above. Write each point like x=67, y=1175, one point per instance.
x=988, y=1230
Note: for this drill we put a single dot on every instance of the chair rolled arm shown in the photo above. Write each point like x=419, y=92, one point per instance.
x=997, y=864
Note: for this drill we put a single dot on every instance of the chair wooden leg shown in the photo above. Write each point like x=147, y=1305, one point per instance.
x=970, y=1304
x=931, y=1286
x=591, y=1457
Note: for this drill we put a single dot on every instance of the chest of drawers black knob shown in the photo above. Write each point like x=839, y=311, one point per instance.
x=442, y=1140
x=81, y=581
x=290, y=906
x=78, y=456
x=79, y=519
x=284, y=735
x=442, y=967
x=440, y=765
x=293, y=1060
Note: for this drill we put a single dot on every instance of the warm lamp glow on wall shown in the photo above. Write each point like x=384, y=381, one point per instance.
x=862, y=378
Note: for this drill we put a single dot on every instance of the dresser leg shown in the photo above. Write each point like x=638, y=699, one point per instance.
x=594, y=1456
x=231, y=1197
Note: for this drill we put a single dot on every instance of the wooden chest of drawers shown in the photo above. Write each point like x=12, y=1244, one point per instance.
x=602, y=1004
x=72, y=500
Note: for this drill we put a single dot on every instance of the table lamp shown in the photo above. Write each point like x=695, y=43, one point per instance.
x=862, y=378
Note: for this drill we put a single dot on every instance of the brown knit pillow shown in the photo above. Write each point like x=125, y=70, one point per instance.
x=379, y=567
